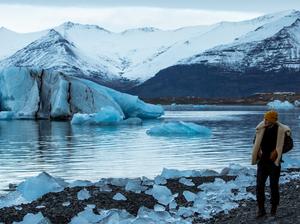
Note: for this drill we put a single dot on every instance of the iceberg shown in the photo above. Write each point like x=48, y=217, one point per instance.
x=38, y=93
x=7, y=115
x=280, y=105
x=107, y=116
x=179, y=128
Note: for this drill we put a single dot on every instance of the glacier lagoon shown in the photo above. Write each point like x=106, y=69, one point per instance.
x=91, y=152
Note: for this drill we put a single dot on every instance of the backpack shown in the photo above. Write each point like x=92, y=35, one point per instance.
x=288, y=143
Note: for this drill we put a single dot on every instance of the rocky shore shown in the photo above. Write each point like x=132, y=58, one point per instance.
x=62, y=206
x=256, y=99
x=287, y=213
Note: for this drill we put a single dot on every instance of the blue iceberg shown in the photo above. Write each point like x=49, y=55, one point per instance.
x=7, y=115
x=280, y=105
x=37, y=93
x=106, y=116
x=179, y=128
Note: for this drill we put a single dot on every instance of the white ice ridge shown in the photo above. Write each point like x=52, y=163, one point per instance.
x=43, y=94
x=212, y=198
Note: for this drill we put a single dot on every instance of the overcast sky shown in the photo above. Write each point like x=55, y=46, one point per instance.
x=117, y=15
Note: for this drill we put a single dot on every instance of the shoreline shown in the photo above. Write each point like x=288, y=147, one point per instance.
x=259, y=99
x=54, y=208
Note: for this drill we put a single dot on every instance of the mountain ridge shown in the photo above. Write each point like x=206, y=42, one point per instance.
x=134, y=56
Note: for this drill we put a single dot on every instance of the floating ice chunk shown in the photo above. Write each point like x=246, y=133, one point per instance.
x=179, y=128
x=162, y=194
x=107, y=116
x=132, y=121
x=7, y=115
x=83, y=194
x=119, y=197
x=186, y=182
x=173, y=173
x=159, y=180
x=279, y=105
x=33, y=219
x=35, y=187
x=189, y=196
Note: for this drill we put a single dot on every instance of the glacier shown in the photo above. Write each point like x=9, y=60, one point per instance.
x=44, y=94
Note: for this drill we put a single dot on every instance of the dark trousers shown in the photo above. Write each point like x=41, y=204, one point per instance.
x=267, y=169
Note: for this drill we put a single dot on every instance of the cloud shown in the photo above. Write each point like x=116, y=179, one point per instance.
x=226, y=5
x=33, y=18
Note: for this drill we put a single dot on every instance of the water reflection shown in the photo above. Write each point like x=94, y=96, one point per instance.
x=91, y=152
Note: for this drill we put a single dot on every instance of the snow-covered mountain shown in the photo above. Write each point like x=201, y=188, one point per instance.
x=271, y=47
x=136, y=55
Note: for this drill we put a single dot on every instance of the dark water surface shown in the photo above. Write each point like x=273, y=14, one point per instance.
x=92, y=152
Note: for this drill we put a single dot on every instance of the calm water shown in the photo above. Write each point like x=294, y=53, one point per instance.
x=91, y=152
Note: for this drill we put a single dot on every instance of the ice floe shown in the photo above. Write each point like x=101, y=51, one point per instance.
x=280, y=105
x=106, y=116
x=179, y=128
x=7, y=115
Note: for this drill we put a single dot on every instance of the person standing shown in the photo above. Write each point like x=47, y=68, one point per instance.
x=267, y=153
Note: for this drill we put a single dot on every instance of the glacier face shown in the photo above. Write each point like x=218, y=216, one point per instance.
x=35, y=93
x=138, y=54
